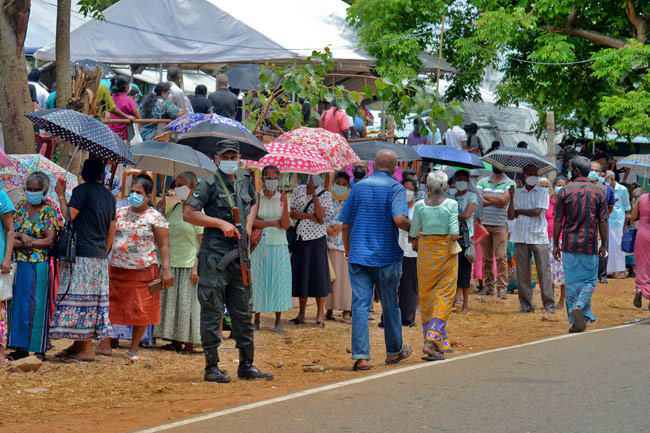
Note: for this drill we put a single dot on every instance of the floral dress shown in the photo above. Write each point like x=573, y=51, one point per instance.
x=36, y=226
x=135, y=245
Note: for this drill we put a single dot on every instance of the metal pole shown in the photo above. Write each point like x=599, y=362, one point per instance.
x=550, y=140
x=160, y=71
x=442, y=32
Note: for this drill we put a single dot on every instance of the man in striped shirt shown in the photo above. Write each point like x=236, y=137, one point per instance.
x=496, y=193
x=580, y=215
x=530, y=237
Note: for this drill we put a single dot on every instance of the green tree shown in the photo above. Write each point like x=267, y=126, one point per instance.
x=585, y=59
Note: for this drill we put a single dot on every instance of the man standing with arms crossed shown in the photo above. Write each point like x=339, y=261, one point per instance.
x=216, y=196
x=580, y=215
x=371, y=216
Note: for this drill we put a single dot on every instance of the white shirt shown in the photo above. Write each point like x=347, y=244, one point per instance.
x=531, y=230
x=403, y=239
x=180, y=99
x=454, y=136
x=41, y=95
x=308, y=230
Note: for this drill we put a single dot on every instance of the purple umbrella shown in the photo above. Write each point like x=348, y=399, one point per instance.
x=186, y=122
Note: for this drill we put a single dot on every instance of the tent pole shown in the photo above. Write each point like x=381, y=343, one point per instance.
x=442, y=32
x=160, y=71
x=550, y=141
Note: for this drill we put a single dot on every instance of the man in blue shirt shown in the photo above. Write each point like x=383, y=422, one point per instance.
x=372, y=214
x=610, y=199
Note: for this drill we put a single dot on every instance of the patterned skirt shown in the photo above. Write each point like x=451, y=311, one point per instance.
x=82, y=314
x=180, y=311
x=556, y=266
x=3, y=324
x=437, y=278
x=29, y=309
x=271, y=275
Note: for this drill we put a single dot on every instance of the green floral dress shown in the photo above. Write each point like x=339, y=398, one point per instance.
x=35, y=226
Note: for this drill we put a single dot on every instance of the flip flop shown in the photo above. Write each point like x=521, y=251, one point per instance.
x=330, y=318
x=319, y=324
x=579, y=320
x=296, y=321
x=403, y=354
x=79, y=359
x=65, y=353
x=357, y=368
x=278, y=330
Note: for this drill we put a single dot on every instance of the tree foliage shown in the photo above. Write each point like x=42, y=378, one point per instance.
x=584, y=59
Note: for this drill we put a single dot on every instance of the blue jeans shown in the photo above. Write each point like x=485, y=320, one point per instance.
x=386, y=280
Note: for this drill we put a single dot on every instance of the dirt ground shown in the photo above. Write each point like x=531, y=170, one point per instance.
x=111, y=395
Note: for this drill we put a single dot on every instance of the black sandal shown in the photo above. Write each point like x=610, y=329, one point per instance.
x=357, y=368
x=403, y=354
x=296, y=321
x=319, y=324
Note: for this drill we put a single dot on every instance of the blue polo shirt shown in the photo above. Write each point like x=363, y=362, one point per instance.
x=369, y=210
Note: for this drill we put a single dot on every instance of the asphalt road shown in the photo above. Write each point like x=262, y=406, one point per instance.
x=593, y=382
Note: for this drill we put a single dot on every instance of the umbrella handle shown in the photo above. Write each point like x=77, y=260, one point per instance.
x=70, y=162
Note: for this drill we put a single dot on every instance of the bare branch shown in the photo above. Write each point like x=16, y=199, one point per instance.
x=640, y=25
x=589, y=35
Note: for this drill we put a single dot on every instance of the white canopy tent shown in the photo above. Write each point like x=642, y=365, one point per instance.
x=41, y=28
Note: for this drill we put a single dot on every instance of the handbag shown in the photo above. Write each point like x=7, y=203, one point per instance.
x=65, y=248
x=137, y=138
x=256, y=235
x=463, y=239
x=7, y=284
x=627, y=243
x=480, y=232
x=292, y=231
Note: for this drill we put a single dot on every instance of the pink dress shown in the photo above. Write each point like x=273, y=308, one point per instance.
x=127, y=105
x=642, y=248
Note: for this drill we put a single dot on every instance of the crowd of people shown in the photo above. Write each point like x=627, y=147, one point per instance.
x=418, y=245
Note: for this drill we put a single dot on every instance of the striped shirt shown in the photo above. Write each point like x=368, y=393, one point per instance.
x=494, y=215
x=580, y=207
x=531, y=230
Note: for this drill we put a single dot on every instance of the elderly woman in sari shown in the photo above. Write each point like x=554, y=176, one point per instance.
x=436, y=217
x=35, y=224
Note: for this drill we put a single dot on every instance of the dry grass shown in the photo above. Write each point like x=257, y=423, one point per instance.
x=111, y=395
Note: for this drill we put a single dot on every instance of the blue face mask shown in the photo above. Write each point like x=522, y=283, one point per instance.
x=135, y=200
x=339, y=189
x=34, y=197
x=602, y=180
x=452, y=191
x=593, y=175
x=318, y=181
x=229, y=167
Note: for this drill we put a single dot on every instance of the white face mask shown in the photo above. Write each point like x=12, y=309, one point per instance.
x=531, y=180
x=578, y=149
x=558, y=189
x=317, y=180
x=271, y=184
x=409, y=195
x=182, y=192
x=461, y=185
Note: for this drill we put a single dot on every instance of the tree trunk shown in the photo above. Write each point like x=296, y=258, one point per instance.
x=15, y=101
x=64, y=78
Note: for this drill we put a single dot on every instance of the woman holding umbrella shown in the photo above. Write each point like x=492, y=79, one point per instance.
x=270, y=262
x=35, y=224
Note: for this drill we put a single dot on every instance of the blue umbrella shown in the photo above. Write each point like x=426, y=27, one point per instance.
x=184, y=123
x=448, y=156
x=83, y=132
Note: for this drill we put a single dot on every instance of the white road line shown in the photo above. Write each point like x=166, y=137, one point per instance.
x=337, y=385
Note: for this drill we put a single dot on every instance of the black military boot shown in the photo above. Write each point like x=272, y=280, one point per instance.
x=246, y=368
x=212, y=371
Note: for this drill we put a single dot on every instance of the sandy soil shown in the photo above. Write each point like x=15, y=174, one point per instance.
x=112, y=395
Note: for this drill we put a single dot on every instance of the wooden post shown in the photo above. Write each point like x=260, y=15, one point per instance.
x=550, y=141
x=442, y=32
x=390, y=126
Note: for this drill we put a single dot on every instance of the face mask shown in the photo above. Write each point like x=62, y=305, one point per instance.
x=318, y=181
x=578, y=149
x=531, y=180
x=602, y=180
x=271, y=184
x=423, y=187
x=34, y=197
x=339, y=190
x=359, y=173
x=570, y=175
x=593, y=175
x=461, y=185
x=182, y=192
x=229, y=167
x=410, y=195
x=452, y=191
x=496, y=170
x=135, y=200
x=558, y=189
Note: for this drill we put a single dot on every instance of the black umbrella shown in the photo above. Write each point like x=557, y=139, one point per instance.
x=368, y=149
x=205, y=136
x=87, y=63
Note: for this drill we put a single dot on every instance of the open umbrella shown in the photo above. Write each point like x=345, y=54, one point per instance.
x=244, y=77
x=514, y=159
x=448, y=156
x=205, y=136
x=84, y=132
x=171, y=159
x=367, y=150
x=87, y=63
x=184, y=123
x=12, y=177
x=332, y=147
x=636, y=160
x=292, y=158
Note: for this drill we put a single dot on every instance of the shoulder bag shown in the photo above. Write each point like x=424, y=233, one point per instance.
x=256, y=234
x=292, y=231
x=64, y=249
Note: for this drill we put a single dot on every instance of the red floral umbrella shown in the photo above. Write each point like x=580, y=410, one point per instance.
x=332, y=147
x=292, y=158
